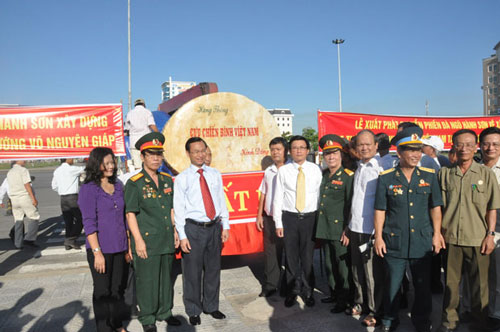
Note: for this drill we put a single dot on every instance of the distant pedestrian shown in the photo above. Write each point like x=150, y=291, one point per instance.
x=103, y=210
x=139, y=122
x=65, y=182
x=24, y=203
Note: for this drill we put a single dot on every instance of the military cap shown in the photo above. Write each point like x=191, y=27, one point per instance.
x=331, y=142
x=153, y=140
x=410, y=137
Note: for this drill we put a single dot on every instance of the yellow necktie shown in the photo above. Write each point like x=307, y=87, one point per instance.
x=300, y=201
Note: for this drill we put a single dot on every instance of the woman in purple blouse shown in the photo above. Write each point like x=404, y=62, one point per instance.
x=102, y=205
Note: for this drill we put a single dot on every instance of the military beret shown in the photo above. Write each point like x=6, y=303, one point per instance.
x=331, y=142
x=408, y=137
x=153, y=140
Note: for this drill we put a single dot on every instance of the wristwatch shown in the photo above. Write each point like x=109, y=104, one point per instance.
x=492, y=233
x=96, y=249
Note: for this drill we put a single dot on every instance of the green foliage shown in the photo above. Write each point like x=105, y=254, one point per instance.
x=287, y=135
x=312, y=136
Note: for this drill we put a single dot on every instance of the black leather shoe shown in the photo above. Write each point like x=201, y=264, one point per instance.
x=31, y=244
x=194, y=320
x=173, y=321
x=149, y=328
x=267, y=293
x=216, y=314
x=338, y=308
x=309, y=301
x=290, y=300
x=446, y=329
x=329, y=299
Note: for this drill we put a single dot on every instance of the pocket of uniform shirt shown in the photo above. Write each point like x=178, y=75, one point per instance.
x=392, y=240
x=423, y=190
x=478, y=195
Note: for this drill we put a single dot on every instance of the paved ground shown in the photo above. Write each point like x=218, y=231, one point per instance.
x=50, y=289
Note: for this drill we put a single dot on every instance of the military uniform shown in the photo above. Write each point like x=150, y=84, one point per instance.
x=407, y=233
x=333, y=218
x=152, y=206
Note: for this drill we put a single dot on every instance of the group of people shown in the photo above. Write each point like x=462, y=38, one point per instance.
x=381, y=219
x=385, y=219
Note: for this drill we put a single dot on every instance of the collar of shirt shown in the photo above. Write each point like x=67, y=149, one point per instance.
x=374, y=162
x=475, y=168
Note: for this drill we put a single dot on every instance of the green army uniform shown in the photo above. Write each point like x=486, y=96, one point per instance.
x=152, y=206
x=333, y=218
x=407, y=234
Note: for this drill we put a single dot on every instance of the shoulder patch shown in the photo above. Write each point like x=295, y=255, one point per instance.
x=166, y=174
x=348, y=172
x=137, y=177
x=387, y=171
x=425, y=169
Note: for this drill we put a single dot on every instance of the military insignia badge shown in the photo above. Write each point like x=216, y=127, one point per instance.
x=337, y=182
x=167, y=190
x=155, y=141
x=480, y=182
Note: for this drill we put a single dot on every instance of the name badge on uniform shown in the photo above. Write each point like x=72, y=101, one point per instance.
x=423, y=183
x=167, y=190
x=337, y=182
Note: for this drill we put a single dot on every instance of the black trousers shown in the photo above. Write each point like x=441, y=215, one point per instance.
x=107, y=299
x=299, y=248
x=72, y=218
x=201, y=269
x=273, y=253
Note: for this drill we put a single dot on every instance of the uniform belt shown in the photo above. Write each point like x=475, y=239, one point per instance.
x=299, y=215
x=69, y=195
x=203, y=224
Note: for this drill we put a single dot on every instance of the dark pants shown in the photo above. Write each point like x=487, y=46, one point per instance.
x=470, y=261
x=367, y=273
x=422, y=305
x=154, y=287
x=72, y=218
x=202, y=266
x=273, y=253
x=299, y=248
x=107, y=299
x=338, y=265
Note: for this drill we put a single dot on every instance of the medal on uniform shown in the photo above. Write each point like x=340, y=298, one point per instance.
x=480, y=182
x=147, y=180
x=400, y=191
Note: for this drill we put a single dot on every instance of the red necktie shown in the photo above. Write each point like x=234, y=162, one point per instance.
x=207, y=198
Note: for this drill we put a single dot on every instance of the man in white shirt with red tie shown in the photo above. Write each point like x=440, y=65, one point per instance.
x=202, y=222
x=294, y=213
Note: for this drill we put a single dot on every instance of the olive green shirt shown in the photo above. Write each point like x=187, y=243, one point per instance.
x=152, y=206
x=467, y=197
x=335, y=204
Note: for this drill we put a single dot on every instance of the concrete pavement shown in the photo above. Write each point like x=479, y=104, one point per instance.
x=50, y=289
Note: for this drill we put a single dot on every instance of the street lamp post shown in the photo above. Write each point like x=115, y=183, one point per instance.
x=338, y=42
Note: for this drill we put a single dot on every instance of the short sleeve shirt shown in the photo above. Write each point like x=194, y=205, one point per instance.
x=467, y=197
x=17, y=177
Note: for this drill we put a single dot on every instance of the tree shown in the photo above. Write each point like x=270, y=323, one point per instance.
x=286, y=135
x=312, y=136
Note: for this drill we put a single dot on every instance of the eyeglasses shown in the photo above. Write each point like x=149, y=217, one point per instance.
x=467, y=146
x=297, y=148
x=495, y=145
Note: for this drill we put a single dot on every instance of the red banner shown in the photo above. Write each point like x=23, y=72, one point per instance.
x=242, y=200
x=44, y=132
x=349, y=124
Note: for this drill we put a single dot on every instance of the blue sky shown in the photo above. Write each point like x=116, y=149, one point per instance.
x=397, y=54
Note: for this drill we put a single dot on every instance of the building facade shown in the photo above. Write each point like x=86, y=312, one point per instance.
x=491, y=86
x=283, y=118
x=170, y=89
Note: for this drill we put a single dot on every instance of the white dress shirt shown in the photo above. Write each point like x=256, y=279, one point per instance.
x=286, y=188
x=188, y=202
x=65, y=180
x=363, y=198
x=137, y=123
x=268, y=186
